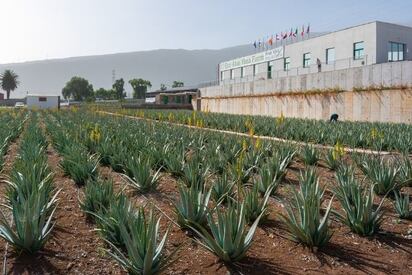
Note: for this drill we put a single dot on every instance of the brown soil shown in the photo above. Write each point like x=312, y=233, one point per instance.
x=76, y=249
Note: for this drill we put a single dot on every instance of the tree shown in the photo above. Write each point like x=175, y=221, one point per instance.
x=9, y=81
x=140, y=87
x=118, y=88
x=177, y=84
x=105, y=94
x=163, y=87
x=78, y=89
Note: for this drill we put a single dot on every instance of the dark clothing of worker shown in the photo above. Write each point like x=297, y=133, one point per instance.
x=334, y=118
x=319, y=65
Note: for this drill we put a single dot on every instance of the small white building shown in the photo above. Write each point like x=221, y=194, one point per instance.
x=42, y=101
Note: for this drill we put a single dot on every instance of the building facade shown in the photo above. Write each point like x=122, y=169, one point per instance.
x=366, y=44
x=43, y=101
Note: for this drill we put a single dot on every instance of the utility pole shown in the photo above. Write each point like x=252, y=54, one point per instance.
x=113, y=76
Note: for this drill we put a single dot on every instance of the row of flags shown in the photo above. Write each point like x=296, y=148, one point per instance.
x=280, y=37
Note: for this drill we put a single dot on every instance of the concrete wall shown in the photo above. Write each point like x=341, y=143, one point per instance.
x=385, y=74
x=383, y=106
x=287, y=95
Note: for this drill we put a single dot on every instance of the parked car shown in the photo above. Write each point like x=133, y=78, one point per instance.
x=19, y=105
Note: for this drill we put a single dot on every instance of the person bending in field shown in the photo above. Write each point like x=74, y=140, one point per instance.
x=334, y=118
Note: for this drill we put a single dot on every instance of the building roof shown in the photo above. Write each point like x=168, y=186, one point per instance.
x=192, y=89
x=38, y=95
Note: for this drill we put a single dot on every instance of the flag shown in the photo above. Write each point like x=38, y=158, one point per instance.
x=303, y=30
x=308, y=29
x=277, y=37
x=296, y=32
x=270, y=41
x=291, y=32
x=260, y=43
x=285, y=35
x=255, y=45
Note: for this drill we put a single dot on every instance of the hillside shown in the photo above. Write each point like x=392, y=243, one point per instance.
x=158, y=66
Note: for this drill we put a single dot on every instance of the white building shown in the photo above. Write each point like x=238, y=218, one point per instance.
x=42, y=101
x=366, y=44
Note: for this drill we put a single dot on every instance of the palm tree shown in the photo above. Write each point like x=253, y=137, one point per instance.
x=9, y=81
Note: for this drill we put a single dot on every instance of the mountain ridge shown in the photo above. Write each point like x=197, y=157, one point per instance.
x=159, y=66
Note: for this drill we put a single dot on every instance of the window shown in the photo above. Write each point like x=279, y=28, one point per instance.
x=306, y=60
x=330, y=56
x=232, y=74
x=242, y=72
x=42, y=99
x=221, y=75
x=269, y=71
x=358, y=50
x=254, y=70
x=286, y=64
x=396, y=51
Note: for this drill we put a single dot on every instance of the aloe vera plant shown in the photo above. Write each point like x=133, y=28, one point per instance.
x=303, y=216
x=229, y=237
x=382, y=174
x=401, y=204
x=32, y=224
x=79, y=165
x=223, y=189
x=405, y=173
x=119, y=211
x=255, y=205
x=140, y=175
x=268, y=179
x=309, y=155
x=360, y=213
x=191, y=208
x=98, y=196
x=144, y=251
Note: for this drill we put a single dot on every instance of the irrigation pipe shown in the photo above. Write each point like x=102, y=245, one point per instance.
x=346, y=149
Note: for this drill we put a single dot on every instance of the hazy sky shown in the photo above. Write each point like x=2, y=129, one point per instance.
x=45, y=29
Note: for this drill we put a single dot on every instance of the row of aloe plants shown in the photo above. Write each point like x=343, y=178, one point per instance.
x=131, y=233
x=11, y=124
x=142, y=172
x=247, y=173
x=377, y=136
x=30, y=195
